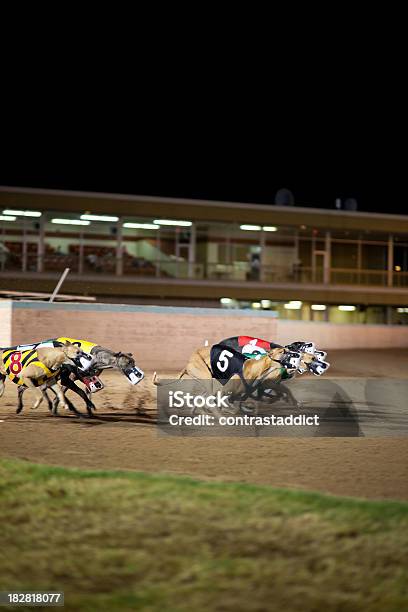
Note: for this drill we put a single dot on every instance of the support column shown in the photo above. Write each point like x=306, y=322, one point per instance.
x=41, y=245
x=192, y=251
x=262, y=245
x=158, y=250
x=327, y=259
x=390, y=260
x=81, y=253
x=24, y=252
x=296, y=259
x=119, y=248
x=359, y=258
x=313, y=259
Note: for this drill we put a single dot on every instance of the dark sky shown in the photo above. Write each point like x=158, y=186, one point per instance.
x=318, y=107
x=220, y=149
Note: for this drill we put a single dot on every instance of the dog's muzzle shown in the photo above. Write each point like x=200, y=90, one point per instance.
x=318, y=367
x=291, y=360
x=93, y=383
x=134, y=375
x=83, y=361
x=302, y=347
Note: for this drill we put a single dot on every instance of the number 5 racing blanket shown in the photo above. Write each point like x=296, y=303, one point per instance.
x=225, y=362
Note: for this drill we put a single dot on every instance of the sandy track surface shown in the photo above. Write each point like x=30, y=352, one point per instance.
x=122, y=437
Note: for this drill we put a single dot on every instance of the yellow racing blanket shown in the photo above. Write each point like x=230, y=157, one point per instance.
x=14, y=361
x=84, y=345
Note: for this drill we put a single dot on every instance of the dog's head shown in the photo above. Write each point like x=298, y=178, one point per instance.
x=124, y=361
x=72, y=351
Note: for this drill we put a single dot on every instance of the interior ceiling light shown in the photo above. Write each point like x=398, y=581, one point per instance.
x=98, y=218
x=71, y=221
x=21, y=213
x=251, y=228
x=172, y=222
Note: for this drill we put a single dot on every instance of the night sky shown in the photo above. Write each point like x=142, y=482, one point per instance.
x=236, y=153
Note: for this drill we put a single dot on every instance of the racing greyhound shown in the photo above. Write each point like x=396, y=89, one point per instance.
x=100, y=359
x=94, y=358
x=241, y=378
x=37, y=369
x=312, y=359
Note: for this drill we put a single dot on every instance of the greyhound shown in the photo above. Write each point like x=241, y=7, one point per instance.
x=38, y=369
x=99, y=358
x=240, y=377
x=102, y=359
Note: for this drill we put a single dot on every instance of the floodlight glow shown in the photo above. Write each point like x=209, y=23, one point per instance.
x=225, y=300
x=293, y=305
x=401, y=310
x=98, y=218
x=149, y=226
x=318, y=307
x=7, y=218
x=265, y=303
x=70, y=221
x=347, y=308
x=21, y=213
x=251, y=228
x=256, y=305
x=269, y=228
x=171, y=222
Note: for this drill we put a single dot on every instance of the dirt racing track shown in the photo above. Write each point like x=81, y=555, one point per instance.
x=124, y=436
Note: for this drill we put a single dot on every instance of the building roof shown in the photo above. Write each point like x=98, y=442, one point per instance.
x=199, y=210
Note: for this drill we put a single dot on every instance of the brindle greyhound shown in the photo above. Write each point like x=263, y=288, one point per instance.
x=102, y=359
x=41, y=370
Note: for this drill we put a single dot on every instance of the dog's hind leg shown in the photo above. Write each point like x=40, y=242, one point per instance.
x=20, y=393
x=49, y=402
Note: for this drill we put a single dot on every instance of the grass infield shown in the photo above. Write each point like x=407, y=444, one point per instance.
x=136, y=541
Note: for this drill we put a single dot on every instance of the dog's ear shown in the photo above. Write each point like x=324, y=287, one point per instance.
x=277, y=353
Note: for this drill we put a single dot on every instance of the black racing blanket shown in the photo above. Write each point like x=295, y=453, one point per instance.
x=225, y=362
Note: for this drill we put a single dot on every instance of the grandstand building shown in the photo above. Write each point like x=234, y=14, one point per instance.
x=302, y=263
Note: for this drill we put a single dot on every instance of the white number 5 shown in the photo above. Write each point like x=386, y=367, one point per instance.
x=223, y=360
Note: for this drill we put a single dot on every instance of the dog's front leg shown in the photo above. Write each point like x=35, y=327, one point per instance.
x=38, y=391
x=2, y=381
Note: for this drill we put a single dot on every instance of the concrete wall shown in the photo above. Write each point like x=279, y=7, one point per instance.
x=5, y=322
x=342, y=336
x=159, y=337
x=164, y=337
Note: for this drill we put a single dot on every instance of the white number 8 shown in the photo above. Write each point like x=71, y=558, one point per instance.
x=222, y=363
